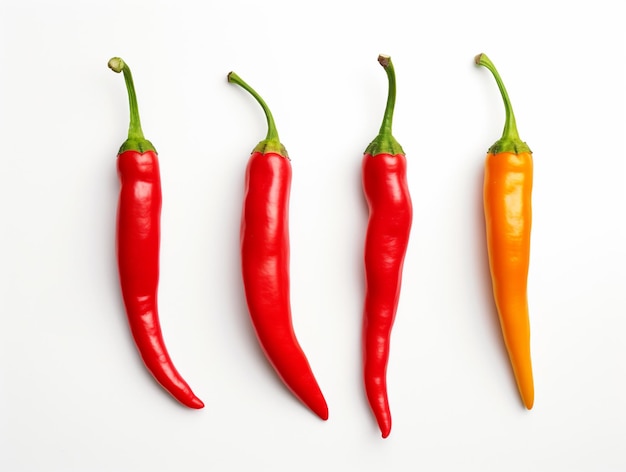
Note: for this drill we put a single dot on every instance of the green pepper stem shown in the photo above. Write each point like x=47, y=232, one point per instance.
x=385, y=142
x=118, y=65
x=385, y=61
x=136, y=140
x=271, y=143
x=510, y=140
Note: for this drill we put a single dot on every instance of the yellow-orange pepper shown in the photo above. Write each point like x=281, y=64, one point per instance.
x=507, y=205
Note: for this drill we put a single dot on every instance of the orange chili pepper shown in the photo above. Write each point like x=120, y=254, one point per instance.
x=507, y=204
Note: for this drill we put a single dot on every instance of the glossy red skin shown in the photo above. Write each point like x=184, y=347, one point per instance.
x=390, y=216
x=138, y=240
x=265, y=270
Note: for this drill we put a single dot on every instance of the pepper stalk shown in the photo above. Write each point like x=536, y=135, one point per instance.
x=385, y=143
x=136, y=140
x=271, y=143
x=510, y=140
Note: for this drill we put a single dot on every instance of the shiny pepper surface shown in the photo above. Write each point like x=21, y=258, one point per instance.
x=265, y=262
x=388, y=229
x=507, y=192
x=138, y=240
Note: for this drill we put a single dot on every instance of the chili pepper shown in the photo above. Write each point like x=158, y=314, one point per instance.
x=265, y=261
x=390, y=217
x=138, y=239
x=507, y=204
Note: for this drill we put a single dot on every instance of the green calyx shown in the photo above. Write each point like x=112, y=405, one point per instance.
x=271, y=143
x=136, y=140
x=385, y=143
x=510, y=140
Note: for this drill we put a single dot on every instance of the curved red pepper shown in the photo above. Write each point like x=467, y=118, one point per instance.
x=265, y=262
x=390, y=216
x=138, y=237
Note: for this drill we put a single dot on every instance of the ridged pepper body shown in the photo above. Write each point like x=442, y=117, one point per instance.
x=389, y=225
x=384, y=179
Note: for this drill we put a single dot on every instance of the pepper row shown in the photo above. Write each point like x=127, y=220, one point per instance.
x=265, y=250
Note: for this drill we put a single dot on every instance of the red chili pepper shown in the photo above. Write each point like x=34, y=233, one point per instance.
x=265, y=262
x=138, y=236
x=389, y=226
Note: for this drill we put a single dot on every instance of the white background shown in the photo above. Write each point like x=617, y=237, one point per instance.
x=74, y=395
